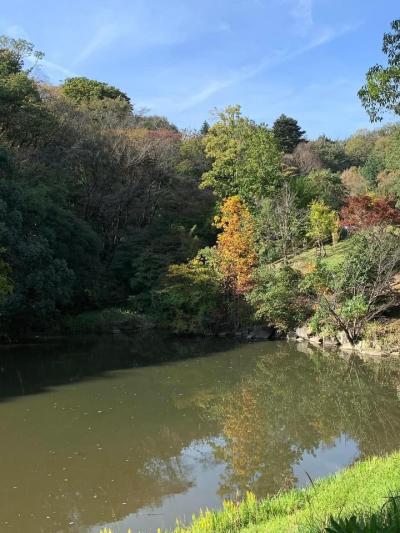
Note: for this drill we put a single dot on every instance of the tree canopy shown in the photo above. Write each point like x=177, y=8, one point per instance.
x=245, y=159
x=381, y=91
x=287, y=133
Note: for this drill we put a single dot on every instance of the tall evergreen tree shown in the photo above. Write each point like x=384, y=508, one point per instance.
x=287, y=133
x=204, y=128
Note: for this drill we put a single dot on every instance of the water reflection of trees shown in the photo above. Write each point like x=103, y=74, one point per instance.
x=291, y=405
x=260, y=406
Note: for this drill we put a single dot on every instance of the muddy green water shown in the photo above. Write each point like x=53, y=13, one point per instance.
x=135, y=432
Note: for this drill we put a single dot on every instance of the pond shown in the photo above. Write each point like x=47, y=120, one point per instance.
x=136, y=432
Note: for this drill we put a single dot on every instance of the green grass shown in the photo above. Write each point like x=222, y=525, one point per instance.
x=334, y=255
x=386, y=520
x=101, y=320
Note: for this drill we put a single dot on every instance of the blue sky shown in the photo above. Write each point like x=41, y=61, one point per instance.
x=304, y=58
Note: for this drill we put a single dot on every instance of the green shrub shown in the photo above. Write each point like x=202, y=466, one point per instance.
x=191, y=297
x=277, y=297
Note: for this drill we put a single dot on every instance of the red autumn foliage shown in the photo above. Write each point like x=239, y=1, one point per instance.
x=366, y=211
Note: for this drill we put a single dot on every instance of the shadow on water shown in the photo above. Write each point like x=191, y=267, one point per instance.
x=136, y=440
x=36, y=368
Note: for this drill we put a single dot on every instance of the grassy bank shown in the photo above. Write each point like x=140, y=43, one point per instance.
x=335, y=253
x=361, y=492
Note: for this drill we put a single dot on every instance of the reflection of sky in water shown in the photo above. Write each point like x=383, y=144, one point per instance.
x=206, y=476
x=325, y=460
x=93, y=437
x=196, y=458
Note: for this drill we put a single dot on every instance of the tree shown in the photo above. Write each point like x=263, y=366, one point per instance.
x=245, y=158
x=14, y=52
x=325, y=186
x=373, y=165
x=381, y=91
x=236, y=245
x=192, y=158
x=353, y=181
x=359, y=146
x=191, y=298
x=23, y=119
x=82, y=89
x=331, y=153
x=281, y=224
x=323, y=223
x=53, y=256
x=358, y=290
x=362, y=212
x=304, y=159
x=287, y=133
x=153, y=122
x=205, y=128
x=277, y=297
x=388, y=147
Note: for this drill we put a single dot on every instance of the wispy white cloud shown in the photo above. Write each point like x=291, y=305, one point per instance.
x=45, y=69
x=275, y=59
x=103, y=36
x=53, y=71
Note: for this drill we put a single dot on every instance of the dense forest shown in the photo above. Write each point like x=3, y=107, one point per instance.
x=103, y=206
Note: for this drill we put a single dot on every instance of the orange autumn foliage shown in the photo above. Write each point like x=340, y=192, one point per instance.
x=236, y=245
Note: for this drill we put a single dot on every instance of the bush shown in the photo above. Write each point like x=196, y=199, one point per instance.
x=383, y=335
x=351, y=294
x=277, y=297
x=191, y=298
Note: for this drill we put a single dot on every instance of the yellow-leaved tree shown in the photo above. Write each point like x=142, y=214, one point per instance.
x=236, y=252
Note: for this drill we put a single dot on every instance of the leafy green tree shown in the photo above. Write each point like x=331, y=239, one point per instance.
x=245, y=158
x=153, y=122
x=191, y=299
x=22, y=115
x=359, y=146
x=331, y=153
x=325, y=186
x=287, y=133
x=350, y=295
x=323, y=222
x=53, y=256
x=14, y=52
x=381, y=91
x=83, y=89
x=277, y=297
x=192, y=158
x=389, y=146
x=373, y=166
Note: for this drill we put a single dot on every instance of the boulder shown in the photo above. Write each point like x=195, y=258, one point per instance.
x=303, y=332
x=260, y=333
x=344, y=342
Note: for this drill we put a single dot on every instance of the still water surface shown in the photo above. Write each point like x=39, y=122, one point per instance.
x=110, y=431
